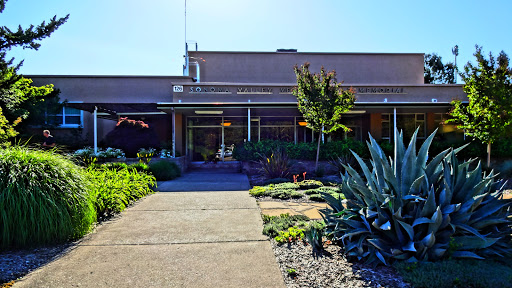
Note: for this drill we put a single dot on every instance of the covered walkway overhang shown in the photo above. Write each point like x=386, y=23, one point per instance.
x=115, y=110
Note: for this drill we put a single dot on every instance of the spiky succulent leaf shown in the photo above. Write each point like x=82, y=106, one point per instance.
x=411, y=209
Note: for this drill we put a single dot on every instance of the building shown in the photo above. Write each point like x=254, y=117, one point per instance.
x=233, y=97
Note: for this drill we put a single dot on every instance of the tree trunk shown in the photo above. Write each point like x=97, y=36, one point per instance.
x=318, y=150
x=489, y=155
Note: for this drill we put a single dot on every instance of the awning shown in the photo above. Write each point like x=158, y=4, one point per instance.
x=113, y=110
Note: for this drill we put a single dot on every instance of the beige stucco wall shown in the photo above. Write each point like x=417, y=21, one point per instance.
x=112, y=89
x=271, y=67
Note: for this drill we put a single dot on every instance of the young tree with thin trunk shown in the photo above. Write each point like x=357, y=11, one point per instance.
x=488, y=115
x=322, y=101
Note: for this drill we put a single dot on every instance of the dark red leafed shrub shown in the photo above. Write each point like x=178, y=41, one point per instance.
x=131, y=135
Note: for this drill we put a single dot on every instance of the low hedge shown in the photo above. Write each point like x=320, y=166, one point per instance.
x=302, y=151
x=164, y=170
x=307, y=151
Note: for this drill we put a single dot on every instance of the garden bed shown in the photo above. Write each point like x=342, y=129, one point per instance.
x=330, y=269
x=15, y=264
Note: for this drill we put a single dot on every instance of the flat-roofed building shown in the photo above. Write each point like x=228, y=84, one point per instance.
x=234, y=97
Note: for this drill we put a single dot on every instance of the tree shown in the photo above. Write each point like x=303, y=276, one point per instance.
x=17, y=92
x=435, y=72
x=322, y=101
x=488, y=115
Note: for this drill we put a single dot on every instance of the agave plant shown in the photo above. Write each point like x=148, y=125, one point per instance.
x=412, y=209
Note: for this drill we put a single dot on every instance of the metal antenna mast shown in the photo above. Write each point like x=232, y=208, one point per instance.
x=185, y=67
x=455, y=51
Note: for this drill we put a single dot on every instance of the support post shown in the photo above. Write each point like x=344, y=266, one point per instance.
x=173, y=133
x=222, y=145
x=249, y=125
x=395, y=136
x=95, y=129
x=295, y=129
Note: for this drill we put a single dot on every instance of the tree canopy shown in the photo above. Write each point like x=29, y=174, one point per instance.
x=17, y=94
x=322, y=100
x=488, y=115
x=435, y=72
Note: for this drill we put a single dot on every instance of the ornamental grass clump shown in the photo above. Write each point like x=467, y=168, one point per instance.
x=412, y=209
x=44, y=198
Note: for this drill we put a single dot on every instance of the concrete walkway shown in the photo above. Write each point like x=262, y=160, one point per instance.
x=276, y=208
x=207, y=181
x=173, y=239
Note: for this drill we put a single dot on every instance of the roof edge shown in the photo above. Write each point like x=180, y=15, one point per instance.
x=110, y=76
x=308, y=53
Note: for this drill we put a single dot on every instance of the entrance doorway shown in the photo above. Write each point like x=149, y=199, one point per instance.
x=206, y=134
x=205, y=142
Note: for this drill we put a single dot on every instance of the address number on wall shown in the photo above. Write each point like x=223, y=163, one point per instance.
x=177, y=88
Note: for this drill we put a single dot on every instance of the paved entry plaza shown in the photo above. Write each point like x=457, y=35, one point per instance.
x=197, y=238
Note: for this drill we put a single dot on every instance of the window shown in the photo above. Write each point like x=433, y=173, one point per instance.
x=386, y=127
x=439, y=119
x=407, y=123
x=69, y=118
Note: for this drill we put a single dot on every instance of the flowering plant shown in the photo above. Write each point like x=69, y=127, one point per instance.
x=125, y=122
x=110, y=153
x=145, y=155
x=88, y=152
x=166, y=153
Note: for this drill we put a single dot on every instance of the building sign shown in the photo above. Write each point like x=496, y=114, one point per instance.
x=285, y=90
x=254, y=90
x=209, y=89
x=271, y=90
x=380, y=90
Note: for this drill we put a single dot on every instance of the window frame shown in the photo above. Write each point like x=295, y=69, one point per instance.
x=63, y=114
x=416, y=121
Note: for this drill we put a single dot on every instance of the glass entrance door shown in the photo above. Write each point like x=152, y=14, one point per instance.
x=206, y=141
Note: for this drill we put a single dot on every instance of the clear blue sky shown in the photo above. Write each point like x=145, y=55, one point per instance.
x=127, y=37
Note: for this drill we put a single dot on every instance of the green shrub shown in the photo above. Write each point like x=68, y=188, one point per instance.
x=141, y=167
x=292, y=235
x=329, y=190
x=113, y=190
x=309, y=184
x=296, y=195
x=274, y=224
x=408, y=209
x=456, y=273
x=276, y=181
x=115, y=165
x=288, y=185
x=312, y=191
x=260, y=191
x=316, y=197
x=43, y=198
x=164, y=170
x=303, y=151
x=282, y=193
